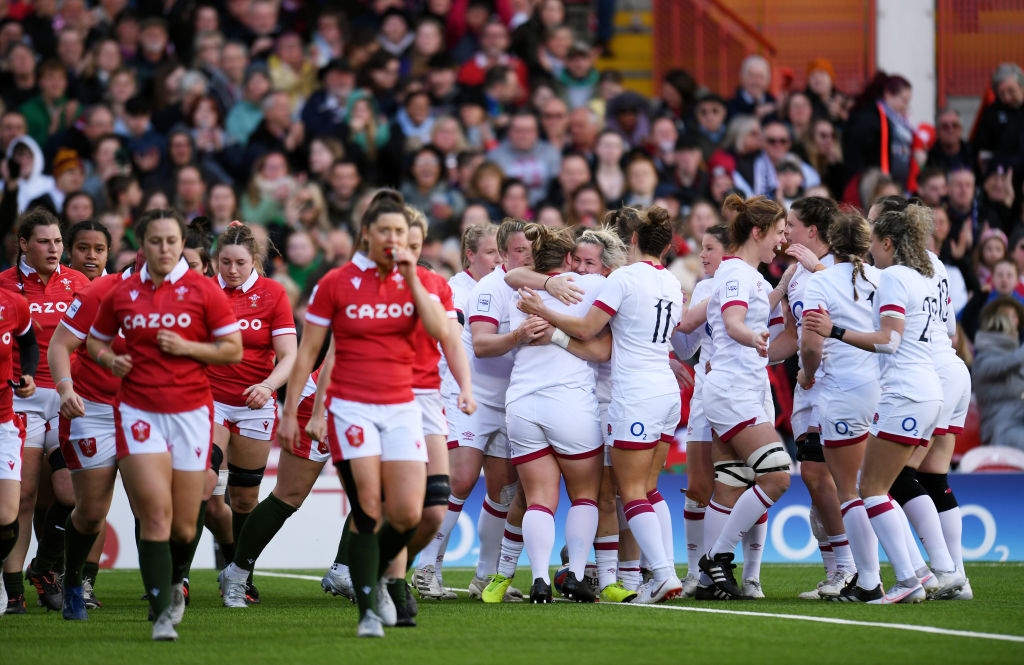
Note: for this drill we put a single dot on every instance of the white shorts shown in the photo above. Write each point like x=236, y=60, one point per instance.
x=393, y=432
x=259, y=424
x=730, y=413
x=559, y=421
x=805, y=410
x=187, y=436
x=602, y=408
x=432, y=408
x=12, y=440
x=88, y=442
x=956, y=397
x=40, y=413
x=698, y=428
x=641, y=423
x=483, y=430
x=902, y=420
x=846, y=415
x=307, y=447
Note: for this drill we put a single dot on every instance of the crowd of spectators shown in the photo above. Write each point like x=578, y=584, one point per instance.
x=287, y=115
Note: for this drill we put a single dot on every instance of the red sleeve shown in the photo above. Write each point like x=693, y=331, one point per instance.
x=220, y=318
x=457, y=21
x=282, y=320
x=105, y=326
x=82, y=311
x=23, y=317
x=320, y=311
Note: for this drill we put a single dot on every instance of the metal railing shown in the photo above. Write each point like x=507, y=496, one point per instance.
x=971, y=38
x=706, y=38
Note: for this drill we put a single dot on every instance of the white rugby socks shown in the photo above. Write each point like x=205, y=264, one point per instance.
x=539, y=538
x=580, y=529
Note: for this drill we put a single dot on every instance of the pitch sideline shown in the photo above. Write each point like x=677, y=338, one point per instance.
x=789, y=617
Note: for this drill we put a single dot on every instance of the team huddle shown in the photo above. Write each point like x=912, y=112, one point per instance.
x=553, y=357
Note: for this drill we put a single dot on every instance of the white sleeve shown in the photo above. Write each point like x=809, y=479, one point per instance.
x=892, y=296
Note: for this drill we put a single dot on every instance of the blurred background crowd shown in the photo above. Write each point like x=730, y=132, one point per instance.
x=287, y=115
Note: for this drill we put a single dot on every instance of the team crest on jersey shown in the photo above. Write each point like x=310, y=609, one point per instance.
x=140, y=431
x=67, y=283
x=354, y=434
x=356, y=281
x=399, y=280
x=483, y=302
x=87, y=446
x=134, y=294
x=254, y=300
x=181, y=292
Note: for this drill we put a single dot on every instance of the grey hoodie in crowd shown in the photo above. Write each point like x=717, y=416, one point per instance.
x=998, y=376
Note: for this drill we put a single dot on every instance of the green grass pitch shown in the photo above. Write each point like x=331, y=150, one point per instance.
x=298, y=623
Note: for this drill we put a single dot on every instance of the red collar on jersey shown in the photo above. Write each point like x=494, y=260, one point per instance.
x=176, y=273
x=726, y=258
x=246, y=285
x=656, y=267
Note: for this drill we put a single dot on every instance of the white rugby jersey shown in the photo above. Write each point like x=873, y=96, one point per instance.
x=797, y=299
x=734, y=366
x=490, y=301
x=909, y=372
x=462, y=285
x=943, y=323
x=645, y=302
x=682, y=343
x=844, y=366
x=547, y=365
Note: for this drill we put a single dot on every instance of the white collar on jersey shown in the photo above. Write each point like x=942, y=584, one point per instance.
x=26, y=269
x=363, y=262
x=176, y=273
x=246, y=285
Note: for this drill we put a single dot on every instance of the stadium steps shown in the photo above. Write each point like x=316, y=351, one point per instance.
x=632, y=48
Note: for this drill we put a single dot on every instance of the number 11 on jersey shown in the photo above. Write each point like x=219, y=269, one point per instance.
x=666, y=306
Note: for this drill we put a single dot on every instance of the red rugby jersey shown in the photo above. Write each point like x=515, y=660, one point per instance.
x=93, y=382
x=46, y=303
x=425, y=375
x=263, y=312
x=186, y=303
x=373, y=321
x=14, y=322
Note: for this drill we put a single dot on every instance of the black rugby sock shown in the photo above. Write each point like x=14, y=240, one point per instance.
x=155, y=567
x=50, y=553
x=76, y=548
x=264, y=522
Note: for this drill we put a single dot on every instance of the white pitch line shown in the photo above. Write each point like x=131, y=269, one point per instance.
x=790, y=617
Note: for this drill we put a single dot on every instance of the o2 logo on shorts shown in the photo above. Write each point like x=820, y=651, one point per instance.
x=87, y=446
x=637, y=430
x=909, y=424
x=140, y=431
x=843, y=428
x=354, y=434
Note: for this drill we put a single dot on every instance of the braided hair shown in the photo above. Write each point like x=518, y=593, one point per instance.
x=849, y=237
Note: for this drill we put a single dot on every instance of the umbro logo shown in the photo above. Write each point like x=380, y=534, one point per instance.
x=134, y=294
x=356, y=281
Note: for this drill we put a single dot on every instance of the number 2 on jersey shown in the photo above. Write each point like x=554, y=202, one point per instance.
x=665, y=305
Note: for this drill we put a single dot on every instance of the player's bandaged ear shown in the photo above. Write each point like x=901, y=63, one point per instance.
x=890, y=347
